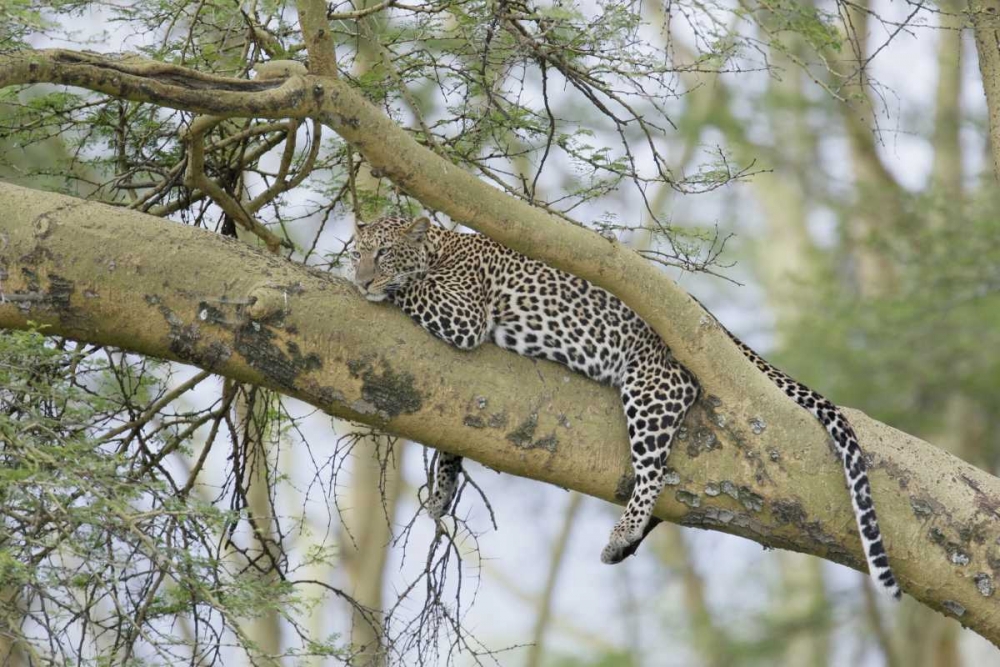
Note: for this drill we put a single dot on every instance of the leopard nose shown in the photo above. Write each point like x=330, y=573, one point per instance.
x=365, y=283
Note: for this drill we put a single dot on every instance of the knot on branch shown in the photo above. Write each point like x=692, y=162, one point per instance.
x=267, y=301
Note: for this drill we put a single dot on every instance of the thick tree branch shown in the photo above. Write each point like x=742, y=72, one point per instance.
x=111, y=276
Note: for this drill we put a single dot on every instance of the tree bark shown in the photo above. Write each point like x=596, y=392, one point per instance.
x=744, y=465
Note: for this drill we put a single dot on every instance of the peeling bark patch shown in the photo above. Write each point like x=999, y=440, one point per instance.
x=364, y=407
x=349, y=121
x=548, y=443
x=31, y=278
x=704, y=440
x=953, y=550
x=56, y=297
x=258, y=346
x=327, y=395
x=475, y=416
x=256, y=343
x=924, y=507
x=523, y=436
x=984, y=584
x=954, y=608
x=184, y=342
x=688, y=498
x=959, y=558
x=183, y=338
x=211, y=314
x=60, y=291
x=217, y=354
x=498, y=420
x=895, y=471
x=751, y=500
x=714, y=517
x=474, y=421
x=743, y=494
x=704, y=437
x=390, y=392
x=788, y=512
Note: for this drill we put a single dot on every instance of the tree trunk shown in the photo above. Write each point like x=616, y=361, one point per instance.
x=251, y=408
x=376, y=480
x=986, y=25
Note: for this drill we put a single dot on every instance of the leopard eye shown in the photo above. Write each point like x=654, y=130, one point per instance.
x=382, y=253
x=355, y=255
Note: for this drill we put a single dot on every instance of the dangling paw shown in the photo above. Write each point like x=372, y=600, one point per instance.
x=621, y=545
x=615, y=552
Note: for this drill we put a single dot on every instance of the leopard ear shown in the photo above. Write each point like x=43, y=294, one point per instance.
x=359, y=223
x=417, y=230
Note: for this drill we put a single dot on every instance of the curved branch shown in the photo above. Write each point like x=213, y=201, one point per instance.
x=111, y=276
x=142, y=80
x=196, y=178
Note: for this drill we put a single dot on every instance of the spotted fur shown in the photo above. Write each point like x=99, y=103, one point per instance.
x=467, y=289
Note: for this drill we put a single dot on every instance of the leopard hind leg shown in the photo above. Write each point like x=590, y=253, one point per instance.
x=656, y=397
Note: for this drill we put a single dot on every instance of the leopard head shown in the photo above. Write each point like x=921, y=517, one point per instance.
x=388, y=254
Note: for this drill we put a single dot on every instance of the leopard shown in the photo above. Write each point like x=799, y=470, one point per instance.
x=468, y=289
